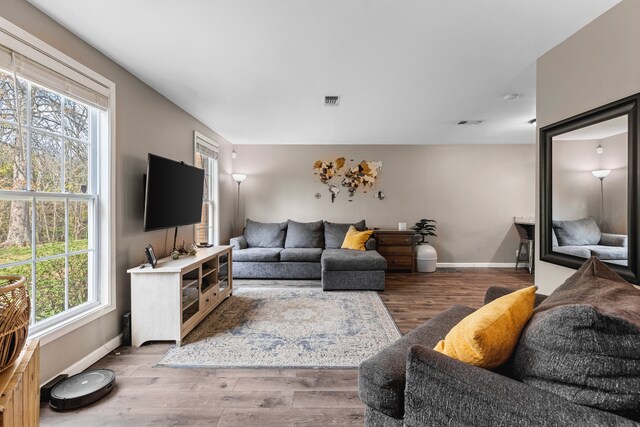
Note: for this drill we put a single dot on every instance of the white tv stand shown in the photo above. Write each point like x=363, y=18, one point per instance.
x=168, y=301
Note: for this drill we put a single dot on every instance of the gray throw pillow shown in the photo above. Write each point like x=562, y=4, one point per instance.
x=304, y=235
x=264, y=234
x=582, y=342
x=584, y=356
x=334, y=232
x=596, y=284
x=580, y=232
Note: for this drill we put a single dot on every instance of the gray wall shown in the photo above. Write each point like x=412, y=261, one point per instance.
x=146, y=122
x=473, y=191
x=597, y=65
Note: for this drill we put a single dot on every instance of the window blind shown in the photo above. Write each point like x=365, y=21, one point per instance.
x=206, y=149
x=33, y=71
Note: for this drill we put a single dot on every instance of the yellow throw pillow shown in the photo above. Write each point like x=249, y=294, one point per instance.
x=355, y=239
x=488, y=336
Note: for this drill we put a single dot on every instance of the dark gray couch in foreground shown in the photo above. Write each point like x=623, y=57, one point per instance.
x=410, y=384
x=295, y=250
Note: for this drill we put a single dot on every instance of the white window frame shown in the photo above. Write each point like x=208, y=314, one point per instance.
x=29, y=46
x=214, y=185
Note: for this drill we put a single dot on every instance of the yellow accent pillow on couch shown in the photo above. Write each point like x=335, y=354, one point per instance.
x=488, y=336
x=355, y=239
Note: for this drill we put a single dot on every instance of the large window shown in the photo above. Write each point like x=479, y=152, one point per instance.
x=54, y=155
x=206, y=157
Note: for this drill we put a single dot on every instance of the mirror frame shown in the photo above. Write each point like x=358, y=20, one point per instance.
x=627, y=106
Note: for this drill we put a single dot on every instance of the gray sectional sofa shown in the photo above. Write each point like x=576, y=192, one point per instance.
x=583, y=238
x=296, y=250
x=575, y=364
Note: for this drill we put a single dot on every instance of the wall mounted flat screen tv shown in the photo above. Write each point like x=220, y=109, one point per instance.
x=173, y=194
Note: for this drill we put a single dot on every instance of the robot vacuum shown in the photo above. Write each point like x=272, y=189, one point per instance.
x=82, y=389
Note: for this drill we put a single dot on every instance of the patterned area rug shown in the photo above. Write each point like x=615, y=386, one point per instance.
x=287, y=327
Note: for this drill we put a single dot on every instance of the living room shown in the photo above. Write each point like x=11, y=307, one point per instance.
x=450, y=104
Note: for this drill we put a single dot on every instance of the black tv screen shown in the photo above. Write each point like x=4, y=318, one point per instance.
x=173, y=194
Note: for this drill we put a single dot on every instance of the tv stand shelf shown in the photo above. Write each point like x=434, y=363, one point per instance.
x=168, y=301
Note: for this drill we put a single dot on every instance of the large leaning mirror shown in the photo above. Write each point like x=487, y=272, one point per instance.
x=588, y=198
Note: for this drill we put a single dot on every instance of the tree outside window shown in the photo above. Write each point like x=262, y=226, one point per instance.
x=47, y=195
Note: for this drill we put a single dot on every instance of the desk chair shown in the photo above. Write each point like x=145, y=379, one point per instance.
x=526, y=239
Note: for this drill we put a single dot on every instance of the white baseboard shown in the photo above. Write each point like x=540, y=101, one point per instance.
x=478, y=264
x=90, y=359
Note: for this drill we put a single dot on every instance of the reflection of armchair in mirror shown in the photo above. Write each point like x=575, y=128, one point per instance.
x=584, y=220
x=588, y=193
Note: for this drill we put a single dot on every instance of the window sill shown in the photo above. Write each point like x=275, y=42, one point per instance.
x=66, y=326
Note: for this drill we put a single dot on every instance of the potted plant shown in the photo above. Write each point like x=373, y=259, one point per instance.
x=425, y=227
x=426, y=256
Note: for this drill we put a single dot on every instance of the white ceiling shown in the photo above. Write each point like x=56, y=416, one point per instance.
x=257, y=71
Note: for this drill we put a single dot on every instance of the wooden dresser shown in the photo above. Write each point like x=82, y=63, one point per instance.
x=398, y=248
x=20, y=389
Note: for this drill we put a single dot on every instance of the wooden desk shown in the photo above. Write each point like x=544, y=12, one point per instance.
x=20, y=389
x=398, y=248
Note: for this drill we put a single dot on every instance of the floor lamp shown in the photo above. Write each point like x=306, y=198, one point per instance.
x=601, y=174
x=238, y=177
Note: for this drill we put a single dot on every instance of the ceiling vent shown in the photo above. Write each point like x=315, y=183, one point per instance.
x=470, y=122
x=332, y=100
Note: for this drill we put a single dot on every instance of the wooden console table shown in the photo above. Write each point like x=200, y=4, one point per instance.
x=20, y=389
x=398, y=247
x=168, y=301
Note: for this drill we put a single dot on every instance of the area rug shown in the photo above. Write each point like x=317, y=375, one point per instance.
x=263, y=327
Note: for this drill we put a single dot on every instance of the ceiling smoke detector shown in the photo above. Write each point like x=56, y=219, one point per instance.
x=470, y=122
x=332, y=100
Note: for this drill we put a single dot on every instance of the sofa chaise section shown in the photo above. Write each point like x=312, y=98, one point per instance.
x=344, y=269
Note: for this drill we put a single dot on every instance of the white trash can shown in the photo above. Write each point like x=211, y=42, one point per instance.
x=426, y=258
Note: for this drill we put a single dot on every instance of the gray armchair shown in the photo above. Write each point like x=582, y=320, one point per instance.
x=409, y=384
x=444, y=391
x=583, y=238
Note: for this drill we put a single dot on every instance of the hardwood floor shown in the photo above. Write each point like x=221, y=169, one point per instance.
x=414, y=298
x=145, y=395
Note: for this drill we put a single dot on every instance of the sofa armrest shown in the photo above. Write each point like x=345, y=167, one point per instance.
x=238, y=242
x=371, y=244
x=608, y=239
x=496, y=292
x=444, y=391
